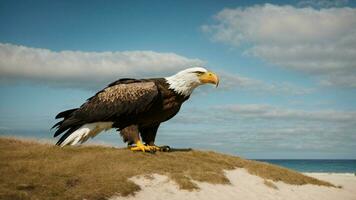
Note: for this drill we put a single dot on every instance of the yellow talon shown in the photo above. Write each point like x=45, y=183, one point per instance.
x=140, y=147
x=153, y=148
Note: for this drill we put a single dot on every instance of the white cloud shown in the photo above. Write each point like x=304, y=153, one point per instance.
x=85, y=69
x=321, y=42
x=268, y=112
x=94, y=69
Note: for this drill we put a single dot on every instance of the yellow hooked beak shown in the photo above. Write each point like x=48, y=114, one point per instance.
x=209, y=77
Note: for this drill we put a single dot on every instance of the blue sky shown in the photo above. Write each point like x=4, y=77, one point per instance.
x=287, y=68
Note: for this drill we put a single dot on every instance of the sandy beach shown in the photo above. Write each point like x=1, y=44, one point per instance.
x=121, y=174
x=246, y=186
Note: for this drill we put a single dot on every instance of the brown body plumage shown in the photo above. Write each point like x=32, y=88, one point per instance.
x=134, y=106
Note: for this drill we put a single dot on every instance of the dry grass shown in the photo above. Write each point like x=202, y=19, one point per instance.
x=31, y=170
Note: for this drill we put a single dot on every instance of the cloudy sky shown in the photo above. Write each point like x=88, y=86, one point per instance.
x=287, y=68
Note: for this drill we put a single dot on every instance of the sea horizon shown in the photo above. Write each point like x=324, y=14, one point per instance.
x=316, y=165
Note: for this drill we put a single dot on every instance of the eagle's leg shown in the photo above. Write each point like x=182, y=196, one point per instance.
x=131, y=135
x=148, y=135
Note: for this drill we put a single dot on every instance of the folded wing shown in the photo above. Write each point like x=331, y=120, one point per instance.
x=120, y=103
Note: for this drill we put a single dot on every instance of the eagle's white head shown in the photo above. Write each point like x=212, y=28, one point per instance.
x=184, y=82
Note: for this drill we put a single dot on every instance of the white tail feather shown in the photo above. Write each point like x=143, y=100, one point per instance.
x=85, y=132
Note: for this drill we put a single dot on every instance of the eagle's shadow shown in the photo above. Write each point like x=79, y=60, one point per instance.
x=170, y=149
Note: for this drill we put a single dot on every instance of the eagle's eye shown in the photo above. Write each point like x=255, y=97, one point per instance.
x=199, y=72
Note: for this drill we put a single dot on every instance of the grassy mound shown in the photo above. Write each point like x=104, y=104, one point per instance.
x=30, y=170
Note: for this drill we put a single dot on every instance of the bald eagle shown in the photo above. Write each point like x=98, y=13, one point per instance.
x=135, y=107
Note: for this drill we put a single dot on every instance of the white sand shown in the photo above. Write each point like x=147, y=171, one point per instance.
x=247, y=187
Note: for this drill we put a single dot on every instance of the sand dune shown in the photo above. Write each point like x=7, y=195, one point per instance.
x=32, y=170
x=246, y=186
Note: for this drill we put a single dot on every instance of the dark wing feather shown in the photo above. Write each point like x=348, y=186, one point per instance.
x=64, y=114
x=124, y=99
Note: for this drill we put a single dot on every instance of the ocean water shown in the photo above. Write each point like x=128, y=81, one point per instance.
x=332, y=166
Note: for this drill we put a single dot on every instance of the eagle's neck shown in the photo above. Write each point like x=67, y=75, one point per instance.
x=182, y=84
